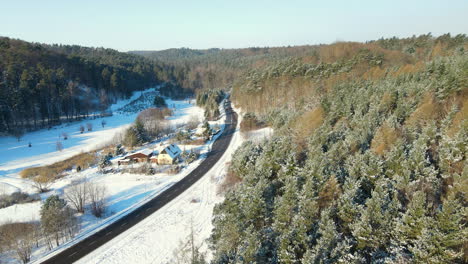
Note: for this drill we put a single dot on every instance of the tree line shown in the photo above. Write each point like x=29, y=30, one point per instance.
x=43, y=85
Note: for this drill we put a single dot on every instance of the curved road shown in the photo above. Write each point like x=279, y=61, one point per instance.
x=96, y=240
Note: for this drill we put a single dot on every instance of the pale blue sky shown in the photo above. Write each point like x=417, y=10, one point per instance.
x=156, y=25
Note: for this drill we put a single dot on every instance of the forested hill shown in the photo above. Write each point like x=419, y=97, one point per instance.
x=42, y=85
x=223, y=68
x=218, y=68
x=368, y=163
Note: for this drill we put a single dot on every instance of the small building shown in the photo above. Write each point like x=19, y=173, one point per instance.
x=140, y=156
x=169, y=155
x=154, y=157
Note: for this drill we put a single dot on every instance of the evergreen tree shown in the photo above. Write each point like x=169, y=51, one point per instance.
x=414, y=220
x=57, y=219
x=374, y=226
x=206, y=130
x=443, y=239
x=159, y=101
x=324, y=249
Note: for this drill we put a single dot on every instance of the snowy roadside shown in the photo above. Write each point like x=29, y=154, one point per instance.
x=155, y=239
x=138, y=195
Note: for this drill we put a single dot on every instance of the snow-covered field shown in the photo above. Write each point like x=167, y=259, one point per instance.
x=16, y=155
x=125, y=191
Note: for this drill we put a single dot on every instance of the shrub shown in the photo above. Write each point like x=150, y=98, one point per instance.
x=198, y=141
x=230, y=180
x=174, y=169
x=190, y=156
x=250, y=122
x=83, y=160
x=182, y=136
x=17, y=198
x=146, y=169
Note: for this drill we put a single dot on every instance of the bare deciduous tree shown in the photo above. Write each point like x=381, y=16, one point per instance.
x=97, y=195
x=58, y=146
x=153, y=121
x=18, y=133
x=77, y=195
x=193, y=122
x=19, y=238
x=189, y=251
x=42, y=183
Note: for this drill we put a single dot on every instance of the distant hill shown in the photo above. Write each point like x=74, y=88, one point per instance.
x=218, y=68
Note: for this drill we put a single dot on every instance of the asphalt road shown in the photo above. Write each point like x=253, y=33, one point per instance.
x=98, y=239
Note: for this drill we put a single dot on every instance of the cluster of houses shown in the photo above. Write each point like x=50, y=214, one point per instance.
x=168, y=155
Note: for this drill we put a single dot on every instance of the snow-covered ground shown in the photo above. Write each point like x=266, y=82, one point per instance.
x=155, y=239
x=27, y=212
x=259, y=134
x=16, y=155
x=125, y=191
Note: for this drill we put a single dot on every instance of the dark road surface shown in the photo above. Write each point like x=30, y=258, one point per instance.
x=98, y=239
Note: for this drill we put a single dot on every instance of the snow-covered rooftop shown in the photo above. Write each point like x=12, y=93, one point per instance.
x=147, y=152
x=172, y=150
